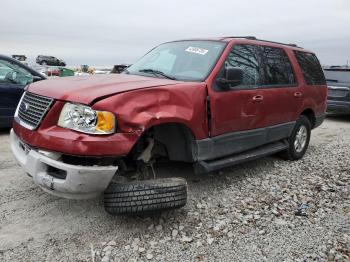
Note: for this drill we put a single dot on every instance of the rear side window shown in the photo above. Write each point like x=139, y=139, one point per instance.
x=311, y=68
x=277, y=67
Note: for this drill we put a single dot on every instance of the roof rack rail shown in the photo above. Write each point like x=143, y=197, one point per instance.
x=246, y=37
x=273, y=42
x=254, y=38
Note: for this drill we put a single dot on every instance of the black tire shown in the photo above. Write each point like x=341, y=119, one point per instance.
x=292, y=153
x=145, y=196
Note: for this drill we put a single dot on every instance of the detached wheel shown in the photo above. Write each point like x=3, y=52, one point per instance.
x=299, y=140
x=145, y=196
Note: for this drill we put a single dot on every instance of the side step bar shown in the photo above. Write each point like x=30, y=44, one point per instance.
x=207, y=166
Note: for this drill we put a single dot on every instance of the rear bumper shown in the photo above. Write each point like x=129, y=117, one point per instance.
x=58, y=178
x=334, y=106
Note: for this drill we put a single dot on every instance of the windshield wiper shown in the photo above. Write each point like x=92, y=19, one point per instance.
x=156, y=72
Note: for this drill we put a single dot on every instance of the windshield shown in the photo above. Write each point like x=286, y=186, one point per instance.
x=182, y=60
x=12, y=73
x=337, y=76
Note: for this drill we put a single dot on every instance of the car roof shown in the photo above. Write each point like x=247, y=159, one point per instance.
x=249, y=40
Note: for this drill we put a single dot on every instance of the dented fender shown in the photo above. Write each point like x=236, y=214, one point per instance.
x=138, y=110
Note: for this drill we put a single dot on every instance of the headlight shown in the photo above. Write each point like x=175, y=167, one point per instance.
x=84, y=119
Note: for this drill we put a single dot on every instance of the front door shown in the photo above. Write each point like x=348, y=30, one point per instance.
x=239, y=108
x=237, y=112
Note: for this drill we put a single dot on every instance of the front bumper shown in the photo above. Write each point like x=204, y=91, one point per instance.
x=58, y=178
x=334, y=106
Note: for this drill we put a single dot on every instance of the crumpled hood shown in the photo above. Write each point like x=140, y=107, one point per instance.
x=86, y=89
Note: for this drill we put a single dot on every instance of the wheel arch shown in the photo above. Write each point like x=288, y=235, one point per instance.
x=310, y=114
x=178, y=139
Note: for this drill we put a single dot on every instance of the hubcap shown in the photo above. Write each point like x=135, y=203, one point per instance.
x=300, y=139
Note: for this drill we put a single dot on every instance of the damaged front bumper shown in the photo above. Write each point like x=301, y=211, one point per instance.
x=59, y=178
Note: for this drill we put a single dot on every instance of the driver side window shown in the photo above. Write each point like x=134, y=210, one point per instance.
x=247, y=58
x=13, y=74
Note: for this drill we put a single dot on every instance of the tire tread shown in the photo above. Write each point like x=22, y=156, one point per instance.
x=145, y=196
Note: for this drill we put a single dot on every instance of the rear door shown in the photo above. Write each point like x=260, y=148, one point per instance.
x=13, y=79
x=281, y=92
x=315, y=88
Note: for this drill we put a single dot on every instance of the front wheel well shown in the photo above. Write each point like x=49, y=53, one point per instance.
x=177, y=140
x=310, y=114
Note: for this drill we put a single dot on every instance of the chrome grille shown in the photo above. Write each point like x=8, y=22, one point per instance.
x=32, y=109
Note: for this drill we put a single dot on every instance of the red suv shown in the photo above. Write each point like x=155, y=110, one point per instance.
x=210, y=102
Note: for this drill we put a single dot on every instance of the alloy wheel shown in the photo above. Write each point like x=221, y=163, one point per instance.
x=300, y=139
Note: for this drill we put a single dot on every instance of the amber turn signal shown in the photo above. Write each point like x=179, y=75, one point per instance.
x=105, y=122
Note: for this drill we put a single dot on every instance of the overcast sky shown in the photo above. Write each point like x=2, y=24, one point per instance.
x=111, y=32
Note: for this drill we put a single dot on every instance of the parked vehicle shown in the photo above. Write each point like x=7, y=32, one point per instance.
x=84, y=68
x=14, y=76
x=338, y=81
x=49, y=60
x=21, y=58
x=210, y=102
x=52, y=71
x=117, y=69
x=102, y=71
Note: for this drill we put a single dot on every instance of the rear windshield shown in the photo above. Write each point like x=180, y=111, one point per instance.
x=311, y=68
x=337, y=76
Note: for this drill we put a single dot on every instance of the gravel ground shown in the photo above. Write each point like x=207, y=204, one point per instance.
x=268, y=209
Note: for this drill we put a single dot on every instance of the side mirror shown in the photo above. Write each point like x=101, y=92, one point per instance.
x=233, y=77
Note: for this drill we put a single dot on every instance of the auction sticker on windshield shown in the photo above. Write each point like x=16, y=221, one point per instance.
x=196, y=50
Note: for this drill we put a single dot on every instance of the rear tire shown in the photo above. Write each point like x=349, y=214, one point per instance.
x=145, y=196
x=299, y=140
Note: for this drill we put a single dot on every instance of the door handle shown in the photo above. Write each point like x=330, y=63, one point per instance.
x=298, y=94
x=258, y=98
